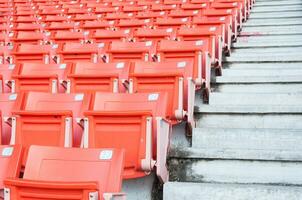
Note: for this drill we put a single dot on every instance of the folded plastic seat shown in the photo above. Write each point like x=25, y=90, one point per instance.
x=106, y=9
x=206, y=32
x=236, y=10
x=77, y=52
x=29, y=37
x=26, y=19
x=6, y=71
x=174, y=78
x=48, y=119
x=55, y=18
x=27, y=27
x=134, y=8
x=101, y=77
x=55, y=26
x=134, y=122
x=118, y=16
x=244, y=3
x=226, y=13
x=132, y=51
x=134, y=23
x=184, y=13
x=7, y=102
x=69, y=173
x=108, y=35
x=63, y=36
x=39, y=77
x=163, y=7
x=151, y=14
x=148, y=34
x=171, y=22
x=226, y=28
x=196, y=51
x=86, y=17
x=10, y=162
x=97, y=25
x=33, y=53
x=192, y=6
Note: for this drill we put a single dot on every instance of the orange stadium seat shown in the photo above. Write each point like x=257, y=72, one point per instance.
x=131, y=51
x=7, y=102
x=39, y=77
x=148, y=34
x=175, y=78
x=48, y=119
x=134, y=122
x=77, y=52
x=102, y=77
x=10, y=162
x=69, y=173
x=106, y=35
x=196, y=51
x=33, y=53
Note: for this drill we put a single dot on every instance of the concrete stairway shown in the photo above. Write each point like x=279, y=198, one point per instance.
x=248, y=140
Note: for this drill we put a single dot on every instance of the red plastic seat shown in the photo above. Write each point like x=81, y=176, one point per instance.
x=68, y=36
x=184, y=13
x=111, y=35
x=102, y=77
x=118, y=16
x=196, y=51
x=163, y=7
x=39, y=77
x=134, y=23
x=48, y=119
x=150, y=14
x=97, y=25
x=134, y=122
x=10, y=162
x=145, y=34
x=192, y=6
x=31, y=37
x=224, y=22
x=227, y=13
x=7, y=102
x=77, y=52
x=213, y=33
x=175, y=78
x=172, y=22
x=69, y=173
x=131, y=51
x=27, y=27
x=33, y=53
x=5, y=77
x=62, y=26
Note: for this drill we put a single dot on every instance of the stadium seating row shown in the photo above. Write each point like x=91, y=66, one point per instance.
x=98, y=85
x=139, y=123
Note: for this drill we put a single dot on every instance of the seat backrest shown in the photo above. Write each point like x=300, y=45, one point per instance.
x=81, y=52
x=10, y=162
x=43, y=115
x=7, y=102
x=131, y=51
x=39, y=77
x=102, y=77
x=104, y=166
x=145, y=34
x=33, y=53
x=154, y=102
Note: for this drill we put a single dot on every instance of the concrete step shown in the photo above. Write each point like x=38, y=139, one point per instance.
x=259, y=88
x=233, y=143
x=236, y=171
x=269, y=41
x=273, y=15
x=259, y=79
x=277, y=3
x=221, y=117
x=212, y=191
x=272, y=30
x=273, y=22
x=267, y=9
x=272, y=66
x=261, y=99
x=261, y=72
